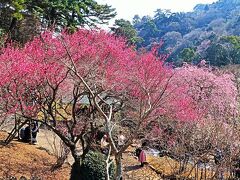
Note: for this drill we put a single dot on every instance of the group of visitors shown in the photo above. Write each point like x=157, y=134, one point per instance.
x=140, y=153
x=25, y=133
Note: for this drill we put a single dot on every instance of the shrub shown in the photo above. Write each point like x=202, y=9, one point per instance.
x=94, y=168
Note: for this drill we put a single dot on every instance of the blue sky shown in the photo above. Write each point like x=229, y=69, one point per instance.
x=128, y=8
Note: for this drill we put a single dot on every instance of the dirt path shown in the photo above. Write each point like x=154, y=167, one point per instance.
x=48, y=141
x=131, y=166
x=133, y=170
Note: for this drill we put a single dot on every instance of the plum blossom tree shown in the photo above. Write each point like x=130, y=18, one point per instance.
x=148, y=91
x=138, y=87
x=214, y=93
x=46, y=80
x=52, y=72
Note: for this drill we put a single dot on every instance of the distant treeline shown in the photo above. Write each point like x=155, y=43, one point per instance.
x=210, y=32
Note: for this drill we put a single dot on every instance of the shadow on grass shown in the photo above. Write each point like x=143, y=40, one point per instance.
x=4, y=144
x=45, y=149
x=132, y=168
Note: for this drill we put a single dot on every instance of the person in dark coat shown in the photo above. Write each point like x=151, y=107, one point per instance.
x=35, y=130
x=218, y=156
x=25, y=133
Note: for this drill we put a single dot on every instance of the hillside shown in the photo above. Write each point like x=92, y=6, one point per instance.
x=21, y=159
x=192, y=36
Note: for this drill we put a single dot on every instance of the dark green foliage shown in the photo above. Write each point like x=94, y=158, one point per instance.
x=71, y=14
x=125, y=29
x=217, y=55
x=94, y=168
x=184, y=33
x=188, y=55
x=22, y=19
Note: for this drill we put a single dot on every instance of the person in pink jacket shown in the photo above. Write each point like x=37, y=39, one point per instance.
x=142, y=158
x=140, y=153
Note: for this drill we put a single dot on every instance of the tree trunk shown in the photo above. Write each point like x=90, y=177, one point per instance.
x=107, y=177
x=118, y=159
x=76, y=167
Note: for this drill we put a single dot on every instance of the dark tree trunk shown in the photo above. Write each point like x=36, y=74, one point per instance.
x=118, y=160
x=13, y=24
x=76, y=167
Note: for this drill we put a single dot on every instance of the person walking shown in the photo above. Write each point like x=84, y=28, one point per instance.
x=140, y=153
x=121, y=140
x=104, y=145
